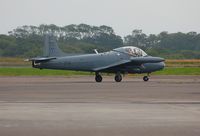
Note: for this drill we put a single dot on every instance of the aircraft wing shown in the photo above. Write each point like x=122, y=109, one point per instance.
x=133, y=60
x=112, y=65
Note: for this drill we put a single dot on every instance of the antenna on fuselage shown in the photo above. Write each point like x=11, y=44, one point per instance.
x=95, y=50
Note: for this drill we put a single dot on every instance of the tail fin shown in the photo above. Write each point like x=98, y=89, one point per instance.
x=51, y=48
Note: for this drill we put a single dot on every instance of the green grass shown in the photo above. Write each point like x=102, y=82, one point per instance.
x=38, y=72
x=44, y=72
x=19, y=62
x=13, y=62
x=179, y=71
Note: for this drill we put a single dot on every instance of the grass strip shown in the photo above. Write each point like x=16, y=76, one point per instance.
x=179, y=71
x=45, y=72
x=38, y=72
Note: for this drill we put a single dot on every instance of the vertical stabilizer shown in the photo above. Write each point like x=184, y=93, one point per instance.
x=51, y=48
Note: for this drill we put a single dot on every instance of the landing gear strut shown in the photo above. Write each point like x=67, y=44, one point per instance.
x=118, y=77
x=98, y=77
x=146, y=78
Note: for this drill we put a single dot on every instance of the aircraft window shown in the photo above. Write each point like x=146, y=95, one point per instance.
x=131, y=50
x=135, y=52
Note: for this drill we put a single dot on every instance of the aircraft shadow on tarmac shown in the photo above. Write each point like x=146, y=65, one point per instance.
x=93, y=82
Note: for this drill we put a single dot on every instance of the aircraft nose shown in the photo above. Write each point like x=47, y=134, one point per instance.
x=162, y=65
x=161, y=59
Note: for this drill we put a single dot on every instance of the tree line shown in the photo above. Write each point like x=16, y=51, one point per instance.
x=27, y=41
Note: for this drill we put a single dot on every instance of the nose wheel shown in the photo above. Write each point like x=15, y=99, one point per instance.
x=146, y=78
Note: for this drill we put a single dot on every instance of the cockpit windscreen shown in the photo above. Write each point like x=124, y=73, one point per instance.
x=131, y=50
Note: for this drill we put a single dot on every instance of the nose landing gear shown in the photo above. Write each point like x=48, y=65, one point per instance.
x=146, y=78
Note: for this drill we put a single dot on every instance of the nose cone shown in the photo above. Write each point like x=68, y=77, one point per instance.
x=162, y=65
x=152, y=67
x=161, y=59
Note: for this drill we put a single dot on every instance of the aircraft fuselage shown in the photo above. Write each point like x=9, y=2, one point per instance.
x=89, y=62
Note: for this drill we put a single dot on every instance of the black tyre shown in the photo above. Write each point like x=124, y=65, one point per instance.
x=98, y=78
x=118, y=78
x=146, y=78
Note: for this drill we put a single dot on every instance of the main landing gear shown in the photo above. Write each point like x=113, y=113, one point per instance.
x=146, y=78
x=118, y=77
x=98, y=77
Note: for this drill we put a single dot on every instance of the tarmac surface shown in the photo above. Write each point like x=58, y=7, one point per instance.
x=78, y=106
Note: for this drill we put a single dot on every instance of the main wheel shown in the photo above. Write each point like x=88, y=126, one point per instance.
x=118, y=78
x=98, y=78
x=146, y=78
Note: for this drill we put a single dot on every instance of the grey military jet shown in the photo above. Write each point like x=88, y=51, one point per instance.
x=120, y=61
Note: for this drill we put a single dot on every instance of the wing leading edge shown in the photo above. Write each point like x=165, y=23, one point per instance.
x=111, y=65
x=133, y=60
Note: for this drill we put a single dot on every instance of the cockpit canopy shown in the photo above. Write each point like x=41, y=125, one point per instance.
x=131, y=50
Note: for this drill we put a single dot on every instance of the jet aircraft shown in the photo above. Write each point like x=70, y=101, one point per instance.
x=123, y=60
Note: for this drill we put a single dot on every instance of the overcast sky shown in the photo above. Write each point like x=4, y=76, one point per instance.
x=152, y=16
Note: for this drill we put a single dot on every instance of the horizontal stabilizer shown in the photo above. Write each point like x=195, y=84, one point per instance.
x=37, y=60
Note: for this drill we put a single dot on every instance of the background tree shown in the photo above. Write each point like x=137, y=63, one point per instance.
x=27, y=41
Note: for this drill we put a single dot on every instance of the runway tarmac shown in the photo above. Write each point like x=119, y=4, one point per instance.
x=78, y=106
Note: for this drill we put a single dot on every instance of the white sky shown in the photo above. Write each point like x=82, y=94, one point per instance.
x=152, y=16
